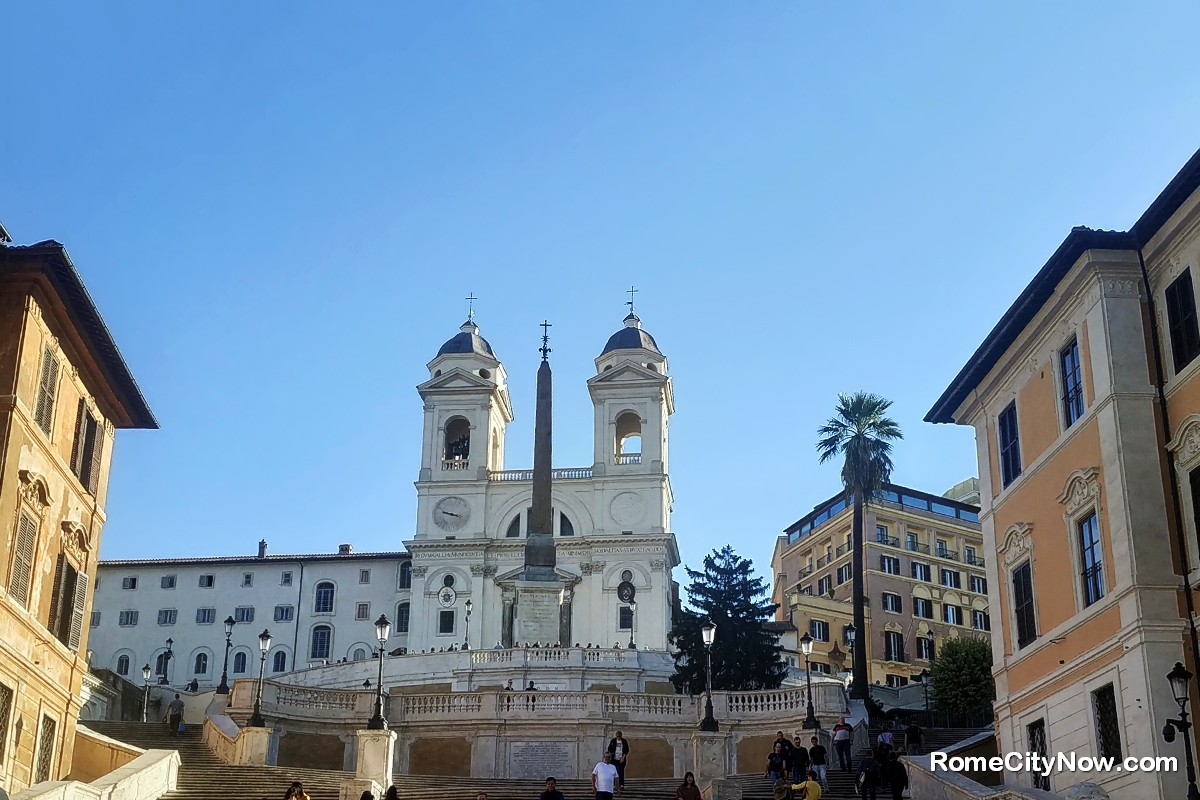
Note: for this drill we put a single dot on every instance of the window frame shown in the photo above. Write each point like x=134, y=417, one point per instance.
x=818, y=629
x=917, y=603
x=1091, y=584
x=289, y=613
x=926, y=569
x=171, y=615
x=212, y=581
x=362, y=611
x=892, y=599
x=1024, y=608
x=317, y=606
x=1180, y=312
x=947, y=608
x=1070, y=367
x=312, y=641
x=167, y=582
x=1008, y=452
x=206, y=611
x=443, y=615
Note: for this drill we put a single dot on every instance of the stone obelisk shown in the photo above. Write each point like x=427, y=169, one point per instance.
x=539, y=590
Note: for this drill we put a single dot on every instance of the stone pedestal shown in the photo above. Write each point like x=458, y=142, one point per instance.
x=251, y=746
x=710, y=759
x=722, y=789
x=352, y=789
x=538, y=617
x=376, y=754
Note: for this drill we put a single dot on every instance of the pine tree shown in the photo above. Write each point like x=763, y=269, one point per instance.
x=962, y=675
x=745, y=656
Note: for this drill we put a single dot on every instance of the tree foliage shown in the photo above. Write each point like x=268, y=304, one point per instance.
x=745, y=656
x=962, y=676
x=861, y=431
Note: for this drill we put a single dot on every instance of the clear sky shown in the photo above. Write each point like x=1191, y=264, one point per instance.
x=278, y=208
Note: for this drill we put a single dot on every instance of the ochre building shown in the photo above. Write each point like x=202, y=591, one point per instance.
x=64, y=390
x=1086, y=408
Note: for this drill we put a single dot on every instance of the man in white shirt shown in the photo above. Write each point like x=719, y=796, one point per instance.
x=604, y=776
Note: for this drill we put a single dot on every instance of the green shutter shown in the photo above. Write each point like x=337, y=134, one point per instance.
x=18, y=581
x=43, y=413
x=78, y=612
x=77, y=445
x=57, y=601
x=96, y=445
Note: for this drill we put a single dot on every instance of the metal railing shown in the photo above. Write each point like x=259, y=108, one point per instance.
x=823, y=560
x=917, y=547
x=975, y=561
x=890, y=541
x=949, y=555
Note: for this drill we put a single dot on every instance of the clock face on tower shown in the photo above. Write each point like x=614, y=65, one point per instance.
x=451, y=513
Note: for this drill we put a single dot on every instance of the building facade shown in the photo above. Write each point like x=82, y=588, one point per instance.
x=66, y=390
x=1087, y=419
x=925, y=574
x=319, y=609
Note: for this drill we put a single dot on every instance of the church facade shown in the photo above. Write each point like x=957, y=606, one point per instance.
x=610, y=519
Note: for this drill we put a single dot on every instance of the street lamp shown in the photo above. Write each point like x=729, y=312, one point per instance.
x=145, y=691
x=632, y=623
x=925, y=683
x=162, y=679
x=264, y=647
x=1179, y=678
x=806, y=645
x=467, y=634
x=383, y=629
x=223, y=688
x=709, y=632
x=932, y=644
x=851, y=632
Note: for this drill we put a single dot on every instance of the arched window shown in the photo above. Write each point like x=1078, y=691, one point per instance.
x=123, y=665
x=359, y=655
x=458, y=440
x=279, y=663
x=239, y=663
x=629, y=438
x=514, y=528
x=160, y=665
x=402, y=612
x=324, y=599
x=565, y=528
x=201, y=665
x=406, y=575
x=321, y=637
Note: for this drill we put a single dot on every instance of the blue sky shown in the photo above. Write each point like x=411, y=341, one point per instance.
x=278, y=208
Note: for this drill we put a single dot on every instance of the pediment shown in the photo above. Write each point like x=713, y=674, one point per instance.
x=627, y=371
x=456, y=378
x=513, y=575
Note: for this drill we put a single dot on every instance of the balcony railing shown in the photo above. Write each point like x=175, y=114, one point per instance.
x=917, y=547
x=842, y=549
x=975, y=561
x=890, y=541
x=823, y=560
x=950, y=555
x=629, y=458
x=573, y=473
x=455, y=464
x=806, y=571
x=896, y=658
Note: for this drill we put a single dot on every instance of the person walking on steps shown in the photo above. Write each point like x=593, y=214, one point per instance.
x=798, y=759
x=817, y=757
x=604, y=778
x=870, y=774
x=175, y=715
x=620, y=751
x=842, y=734
x=777, y=765
x=914, y=737
x=897, y=776
x=552, y=792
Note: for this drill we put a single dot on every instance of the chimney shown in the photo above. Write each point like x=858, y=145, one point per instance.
x=262, y=548
x=345, y=549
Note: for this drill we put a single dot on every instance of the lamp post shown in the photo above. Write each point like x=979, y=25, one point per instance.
x=851, y=632
x=925, y=684
x=1179, y=679
x=383, y=629
x=146, y=690
x=709, y=632
x=806, y=645
x=467, y=634
x=632, y=623
x=264, y=647
x=223, y=688
x=162, y=679
x=932, y=646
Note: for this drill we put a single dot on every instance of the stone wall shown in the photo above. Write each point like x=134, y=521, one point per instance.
x=97, y=755
x=312, y=751
x=650, y=758
x=440, y=756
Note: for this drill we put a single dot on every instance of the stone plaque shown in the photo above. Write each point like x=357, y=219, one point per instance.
x=539, y=760
x=537, y=613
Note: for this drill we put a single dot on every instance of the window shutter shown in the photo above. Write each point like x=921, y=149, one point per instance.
x=97, y=443
x=44, y=410
x=57, y=601
x=18, y=583
x=77, y=613
x=77, y=445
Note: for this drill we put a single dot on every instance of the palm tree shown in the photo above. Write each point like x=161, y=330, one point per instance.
x=860, y=431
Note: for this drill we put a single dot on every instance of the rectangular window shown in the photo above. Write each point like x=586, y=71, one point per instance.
x=95, y=619
x=67, y=603
x=321, y=639
x=206, y=616
x=881, y=534
x=843, y=574
x=1010, y=446
x=893, y=646
x=980, y=621
x=922, y=607
x=22, y=568
x=824, y=585
x=1091, y=571
x=243, y=614
x=1023, y=609
x=924, y=648
x=897, y=681
x=978, y=584
x=1035, y=733
x=166, y=616
x=6, y=706
x=911, y=542
x=1108, y=723
x=43, y=411
x=819, y=630
x=129, y=582
x=403, y=614
x=285, y=579
x=284, y=613
x=951, y=578
x=127, y=619
x=167, y=582
x=889, y=564
x=624, y=618
x=817, y=666
x=247, y=579
x=922, y=572
x=364, y=576
x=87, y=448
x=362, y=611
x=1072, y=383
x=891, y=602
x=952, y=615
x=1181, y=321
x=207, y=581
x=446, y=621
x=970, y=556
x=45, y=750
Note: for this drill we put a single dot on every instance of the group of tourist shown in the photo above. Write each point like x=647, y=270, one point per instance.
x=797, y=771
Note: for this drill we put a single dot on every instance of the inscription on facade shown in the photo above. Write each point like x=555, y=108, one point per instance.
x=539, y=759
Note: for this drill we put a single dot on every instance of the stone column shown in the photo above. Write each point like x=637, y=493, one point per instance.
x=373, y=771
x=564, y=618
x=710, y=761
x=506, y=617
